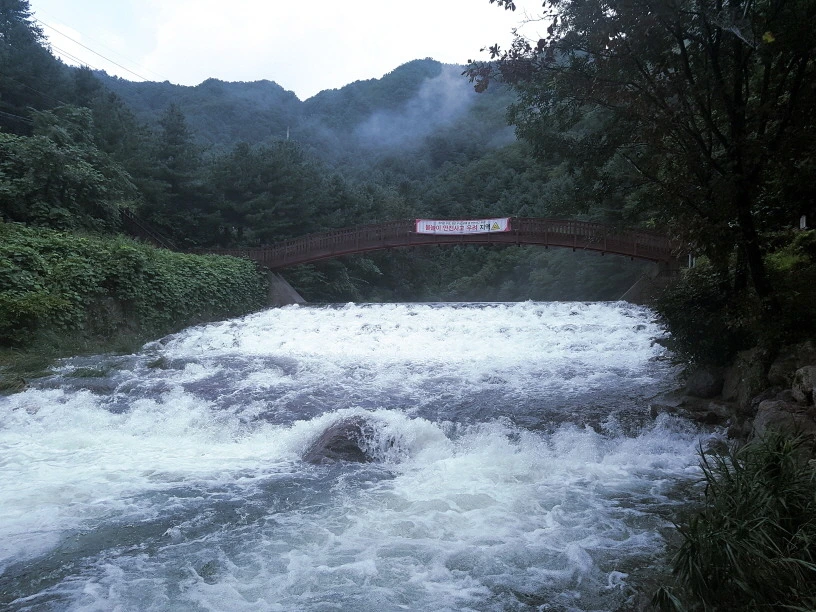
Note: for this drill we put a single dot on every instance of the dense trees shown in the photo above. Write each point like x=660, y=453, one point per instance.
x=58, y=177
x=28, y=73
x=695, y=111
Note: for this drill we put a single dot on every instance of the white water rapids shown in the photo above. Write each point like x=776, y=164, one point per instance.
x=522, y=470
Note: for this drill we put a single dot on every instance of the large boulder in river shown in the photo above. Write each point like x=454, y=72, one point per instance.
x=348, y=439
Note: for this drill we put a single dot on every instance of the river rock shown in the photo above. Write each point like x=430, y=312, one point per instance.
x=740, y=430
x=345, y=440
x=805, y=353
x=804, y=384
x=785, y=418
x=745, y=379
x=705, y=383
x=694, y=408
x=786, y=395
x=783, y=368
x=790, y=359
x=771, y=393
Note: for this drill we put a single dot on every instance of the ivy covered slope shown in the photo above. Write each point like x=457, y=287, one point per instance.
x=90, y=287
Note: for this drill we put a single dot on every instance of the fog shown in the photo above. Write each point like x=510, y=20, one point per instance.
x=439, y=103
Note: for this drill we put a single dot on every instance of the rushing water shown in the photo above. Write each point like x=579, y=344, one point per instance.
x=522, y=471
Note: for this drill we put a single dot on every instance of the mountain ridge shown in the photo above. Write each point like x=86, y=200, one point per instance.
x=224, y=113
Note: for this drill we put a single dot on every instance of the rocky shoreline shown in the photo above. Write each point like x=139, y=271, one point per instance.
x=756, y=393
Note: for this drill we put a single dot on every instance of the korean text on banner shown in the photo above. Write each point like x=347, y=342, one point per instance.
x=473, y=226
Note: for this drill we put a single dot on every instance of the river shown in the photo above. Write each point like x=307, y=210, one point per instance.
x=517, y=466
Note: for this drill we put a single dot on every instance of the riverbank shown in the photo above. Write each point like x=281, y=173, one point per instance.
x=753, y=394
x=65, y=294
x=19, y=366
x=750, y=544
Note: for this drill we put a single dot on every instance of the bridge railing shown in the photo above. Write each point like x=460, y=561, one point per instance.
x=584, y=235
x=595, y=236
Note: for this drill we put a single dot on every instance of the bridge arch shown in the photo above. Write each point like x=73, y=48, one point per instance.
x=584, y=235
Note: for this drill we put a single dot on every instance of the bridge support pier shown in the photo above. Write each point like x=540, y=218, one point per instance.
x=281, y=293
x=649, y=286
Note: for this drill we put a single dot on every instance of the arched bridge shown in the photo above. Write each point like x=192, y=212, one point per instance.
x=639, y=244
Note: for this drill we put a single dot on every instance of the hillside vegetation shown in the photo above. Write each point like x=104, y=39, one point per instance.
x=69, y=293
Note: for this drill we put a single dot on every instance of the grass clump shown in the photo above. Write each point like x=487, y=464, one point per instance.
x=752, y=546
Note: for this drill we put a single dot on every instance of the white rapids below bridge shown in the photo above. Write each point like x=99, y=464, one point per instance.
x=516, y=465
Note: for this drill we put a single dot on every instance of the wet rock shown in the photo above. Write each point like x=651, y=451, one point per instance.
x=718, y=412
x=657, y=409
x=804, y=384
x=346, y=440
x=745, y=379
x=697, y=409
x=805, y=353
x=209, y=572
x=705, y=383
x=785, y=418
x=767, y=394
x=740, y=430
x=786, y=395
x=790, y=359
x=782, y=369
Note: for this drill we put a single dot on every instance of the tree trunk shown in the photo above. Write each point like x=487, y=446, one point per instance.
x=752, y=249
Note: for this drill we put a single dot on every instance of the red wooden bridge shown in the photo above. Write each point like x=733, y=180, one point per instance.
x=639, y=244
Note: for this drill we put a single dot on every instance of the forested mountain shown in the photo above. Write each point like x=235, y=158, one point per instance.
x=244, y=164
x=421, y=104
x=219, y=114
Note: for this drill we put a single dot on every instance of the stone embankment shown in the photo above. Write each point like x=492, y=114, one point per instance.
x=753, y=395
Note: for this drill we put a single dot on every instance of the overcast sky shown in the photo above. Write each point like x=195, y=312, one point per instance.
x=304, y=45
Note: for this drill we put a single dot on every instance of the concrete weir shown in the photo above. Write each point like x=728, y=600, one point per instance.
x=652, y=283
x=282, y=293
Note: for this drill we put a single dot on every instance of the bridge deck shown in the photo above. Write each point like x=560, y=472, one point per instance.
x=640, y=244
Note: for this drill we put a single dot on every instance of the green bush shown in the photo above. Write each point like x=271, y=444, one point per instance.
x=707, y=322
x=792, y=269
x=52, y=280
x=753, y=544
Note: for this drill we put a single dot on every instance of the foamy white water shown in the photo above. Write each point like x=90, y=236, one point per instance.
x=517, y=467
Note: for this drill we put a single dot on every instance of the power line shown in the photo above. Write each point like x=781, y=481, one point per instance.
x=35, y=90
x=99, y=44
x=18, y=117
x=64, y=53
x=91, y=50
